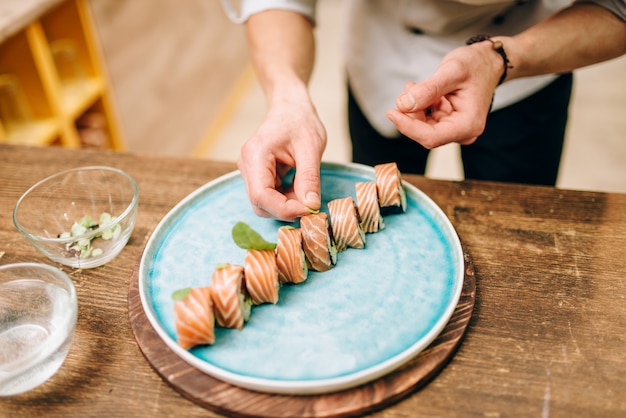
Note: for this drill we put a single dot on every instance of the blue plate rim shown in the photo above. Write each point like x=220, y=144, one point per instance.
x=308, y=386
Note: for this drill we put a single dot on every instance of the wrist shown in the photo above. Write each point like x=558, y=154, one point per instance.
x=286, y=89
x=497, y=46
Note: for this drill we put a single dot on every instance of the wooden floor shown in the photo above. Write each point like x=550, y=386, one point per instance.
x=183, y=86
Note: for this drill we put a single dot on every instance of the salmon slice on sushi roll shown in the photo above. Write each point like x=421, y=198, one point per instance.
x=369, y=208
x=318, y=242
x=193, y=316
x=391, y=194
x=261, y=276
x=290, y=258
x=231, y=302
x=346, y=224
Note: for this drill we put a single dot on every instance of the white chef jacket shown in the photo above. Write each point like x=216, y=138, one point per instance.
x=390, y=42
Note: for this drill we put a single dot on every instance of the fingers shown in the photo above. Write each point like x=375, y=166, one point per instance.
x=290, y=138
x=285, y=205
x=273, y=204
x=417, y=97
x=306, y=184
x=432, y=133
x=264, y=169
x=450, y=106
x=264, y=197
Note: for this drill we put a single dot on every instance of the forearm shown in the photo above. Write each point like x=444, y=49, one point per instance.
x=578, y=36
x=282, y=47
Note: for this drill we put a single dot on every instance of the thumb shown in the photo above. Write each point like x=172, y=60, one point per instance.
x=419, y=96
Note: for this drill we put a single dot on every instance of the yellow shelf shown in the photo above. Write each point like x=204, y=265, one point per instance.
x=40, y=132
x=78, y=96
x=38, y=57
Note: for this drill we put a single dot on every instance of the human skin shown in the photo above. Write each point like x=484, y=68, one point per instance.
x=450, y=106
x=291, y=135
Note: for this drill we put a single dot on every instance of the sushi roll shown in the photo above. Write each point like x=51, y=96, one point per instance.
x=290, y=259
x=318, y=242
x=391, y=194
x=261, y=276
x=369, y=208
x=231, y=301
x=193, y=316
x=346, y=224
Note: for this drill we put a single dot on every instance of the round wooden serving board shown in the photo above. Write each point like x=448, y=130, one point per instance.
x=230, y=400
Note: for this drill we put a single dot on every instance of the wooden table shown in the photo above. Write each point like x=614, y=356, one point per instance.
x=547, y=336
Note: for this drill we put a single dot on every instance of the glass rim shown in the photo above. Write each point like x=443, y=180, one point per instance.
x=52, y=269
x=114, y=220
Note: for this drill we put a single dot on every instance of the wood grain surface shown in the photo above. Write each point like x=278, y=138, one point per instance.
x=234, y=401
x=546, y=337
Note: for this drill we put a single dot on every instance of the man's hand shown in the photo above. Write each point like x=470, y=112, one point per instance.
x=291, y=136
x=453, y=104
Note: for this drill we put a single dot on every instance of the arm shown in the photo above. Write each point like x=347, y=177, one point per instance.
x=291, y=135
x=578, y=36
x=452, y=105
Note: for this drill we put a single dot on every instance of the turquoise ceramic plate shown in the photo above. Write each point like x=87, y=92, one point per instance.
x=374, y=311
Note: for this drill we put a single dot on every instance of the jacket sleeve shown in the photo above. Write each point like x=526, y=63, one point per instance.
x=618, y=7
x=249, y=7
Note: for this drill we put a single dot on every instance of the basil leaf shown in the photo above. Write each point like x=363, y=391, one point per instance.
x=181, y=294
x=248, y=239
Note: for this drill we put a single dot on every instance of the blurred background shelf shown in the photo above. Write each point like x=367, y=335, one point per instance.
x=78, y=96
x=173, y=78
x=52, y=77
x=38, y=132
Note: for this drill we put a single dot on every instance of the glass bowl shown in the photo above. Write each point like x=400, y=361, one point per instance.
x=81, y=217
x=37, y=320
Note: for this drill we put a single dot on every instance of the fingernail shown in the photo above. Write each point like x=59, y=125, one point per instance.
x=312, y=199
x=407, y=101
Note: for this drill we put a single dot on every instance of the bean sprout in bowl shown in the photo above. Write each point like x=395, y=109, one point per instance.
x=81, y=217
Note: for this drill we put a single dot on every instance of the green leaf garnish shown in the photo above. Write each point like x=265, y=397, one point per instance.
x=312, y=211
x=87, y=222
x=82, y=247
x=181, y=294
x=248, y=239
x=78, y=229
x=112, y=232
x=105, y=218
